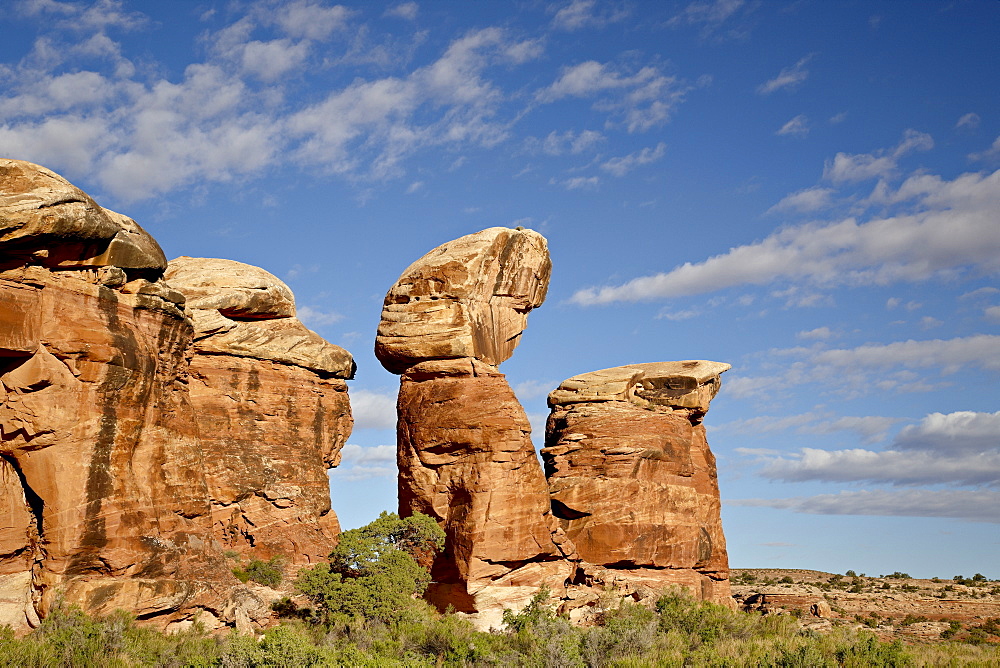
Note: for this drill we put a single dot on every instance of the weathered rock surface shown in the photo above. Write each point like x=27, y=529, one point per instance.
x=271, y=404
x=632, y=478
x=104, y=496
x=464, y=450
x=467, y=298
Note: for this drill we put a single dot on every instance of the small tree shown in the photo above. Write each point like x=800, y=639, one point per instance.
x=375, y=571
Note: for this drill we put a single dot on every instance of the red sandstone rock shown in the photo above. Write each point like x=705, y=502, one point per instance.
x=271, y=406
x=104, y=496
x=465, y=454
x=632, y=478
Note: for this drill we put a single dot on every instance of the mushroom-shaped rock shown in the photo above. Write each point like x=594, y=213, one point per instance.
x=44, y=215
x=271, y=405
x=631, y=476
x=467, y=298
x=464, y=448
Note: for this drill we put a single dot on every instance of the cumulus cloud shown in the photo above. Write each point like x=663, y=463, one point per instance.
x=228, y=117
x=315, y=317
x=797, y=127
x=805, y=201
x=969, y=505
x=961, y=448
x=709, y=12
x=818, y=334
x=900, y=366
x=969, y=121
x=559, y=143
x=361, y=454
x=859, y=167
x=373, y=410
x=577, y=182
x=641, y=101
x=580, y=14
x=992, y=153
x=871, y=428
x=944, y=226
x=789, y=77
x=625, y=164
x=404, y=10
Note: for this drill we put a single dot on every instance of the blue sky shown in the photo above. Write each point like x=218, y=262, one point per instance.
x=808, y=190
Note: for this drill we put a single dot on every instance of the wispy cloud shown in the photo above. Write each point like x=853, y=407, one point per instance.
x=862, y=166
x=789, y=77
x=640, y=101
x=969, y=121
x=947, y=226
x=805, y=201
x=404, y=10
x=797, y=127
x=969, y=505
x=625, y=164
x=579, y=14
x=373, y=410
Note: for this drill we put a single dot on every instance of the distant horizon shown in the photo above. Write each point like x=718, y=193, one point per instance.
x=807, y=191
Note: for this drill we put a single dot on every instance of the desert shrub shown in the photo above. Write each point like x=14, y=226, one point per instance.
x=786, y=580
x=375, y=571
x=268, y=573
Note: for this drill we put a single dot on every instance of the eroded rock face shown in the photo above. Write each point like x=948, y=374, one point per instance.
x=468, y=298
x=632, y=478
x=271, y=404
x=97, y=435
x=108, y=491
x=465, y=455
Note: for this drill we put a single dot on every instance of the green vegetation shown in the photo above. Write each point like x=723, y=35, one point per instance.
x=267, y=573
x=367, y=614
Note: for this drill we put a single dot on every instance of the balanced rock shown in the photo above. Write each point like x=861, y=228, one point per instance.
x=464, y=449
x=272, y=410
x=632, y=478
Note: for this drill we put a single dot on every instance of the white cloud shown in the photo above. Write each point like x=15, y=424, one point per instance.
x=973, y=506
x=863, y=166
x=838, y=118
x=577, y=182
x=930, y=322
x=373, y=410
x=805, y=201
x=580, y=14
x=950, y=226
x=797, y=127
x=992, y=313
x=414, y=187
x=357, y=473
x=405, y=10
x=789, y=77
x=992, y=153
x=818, y=334
x=892, y=367
x=969, y=121
x=712, y=12
x=961, y=448
x=533, y=389
x=304, y=19
x=360, y=454
x=571, y=142
x=642, y=100
x=677, y=316
x=315, y=317
x=625, y=164
x=871, y=428
x=959, y=432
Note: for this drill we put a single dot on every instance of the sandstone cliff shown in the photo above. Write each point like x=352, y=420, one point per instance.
x=105, y=490
x=271, y=404
x=632, y=479
x=464, y=450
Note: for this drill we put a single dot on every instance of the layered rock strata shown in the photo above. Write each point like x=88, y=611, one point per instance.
x=464, y=450
x=104, y=496
x=632, y=479
x=271, y=405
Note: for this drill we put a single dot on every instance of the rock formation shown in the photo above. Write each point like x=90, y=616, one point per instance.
x=464, y=450
x=272, y=410
x=632, y=479
x=104, y=495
